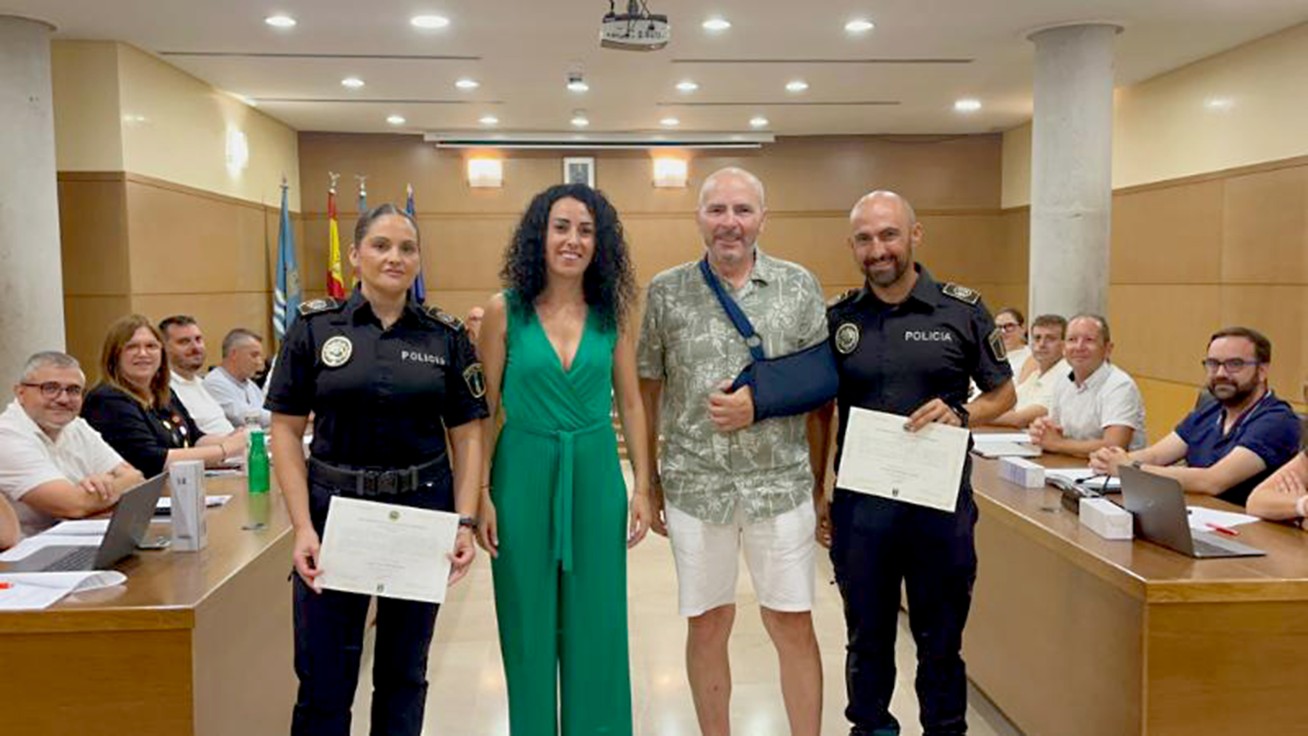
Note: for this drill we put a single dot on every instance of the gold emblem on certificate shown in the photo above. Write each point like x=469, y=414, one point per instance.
x=336, y=351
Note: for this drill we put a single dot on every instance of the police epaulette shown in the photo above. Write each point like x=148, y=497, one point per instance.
x=317, y=306
x=839, y=299
x=961, y=293
x=453, y=322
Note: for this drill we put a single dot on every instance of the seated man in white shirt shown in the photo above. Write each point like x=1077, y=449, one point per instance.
x=1035, y=381
x=53, y=465
x=232, y=384
x=1096, y=404
x=184, y=343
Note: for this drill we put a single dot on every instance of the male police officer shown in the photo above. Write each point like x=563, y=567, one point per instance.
x=908, y=345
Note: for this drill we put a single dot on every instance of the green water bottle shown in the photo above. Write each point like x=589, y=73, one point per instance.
x=257, y=463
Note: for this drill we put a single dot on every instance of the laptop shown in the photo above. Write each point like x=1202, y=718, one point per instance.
x=127, y=527
x=1158, y=505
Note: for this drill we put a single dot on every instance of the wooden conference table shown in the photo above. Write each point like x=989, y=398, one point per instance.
x=1073, y=634
x=194, y=643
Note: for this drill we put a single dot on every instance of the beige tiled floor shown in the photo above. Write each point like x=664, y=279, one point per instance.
x=467, y=696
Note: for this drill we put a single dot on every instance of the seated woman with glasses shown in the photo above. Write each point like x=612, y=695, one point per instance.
x=136, y=411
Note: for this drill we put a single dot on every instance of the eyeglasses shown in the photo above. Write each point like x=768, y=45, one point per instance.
x=1009, y=327
x=52, y=389
x=1234, y=365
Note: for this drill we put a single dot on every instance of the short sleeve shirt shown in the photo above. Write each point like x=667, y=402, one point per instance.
x=896, y=357
x=203, y=408
x=29, y=458
x=1108, y=398
x=688, y=343
x=381, y=397
x=239, y=400
x=1269, y=429
x=1038, y=388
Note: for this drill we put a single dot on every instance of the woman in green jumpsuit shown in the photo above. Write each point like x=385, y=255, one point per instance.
x=553, y=512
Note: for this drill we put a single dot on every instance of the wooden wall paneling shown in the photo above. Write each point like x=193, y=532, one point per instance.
x=817, y=241
x=1265, y=227
x=1166, y=404
x=1168, y=235
x=1161, y=330
x=216, y=313
x=184, y=243
x=93, y=235
x=86, y=319
x=1278, y=312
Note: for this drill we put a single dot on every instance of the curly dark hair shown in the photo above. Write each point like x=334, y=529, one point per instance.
x=609, y=283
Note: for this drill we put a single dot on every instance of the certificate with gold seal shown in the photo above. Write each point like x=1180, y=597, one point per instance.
x=386, y=550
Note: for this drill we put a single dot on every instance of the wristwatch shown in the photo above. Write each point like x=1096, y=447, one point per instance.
x=963, y=416
x=1137, y=464
x=468, y=521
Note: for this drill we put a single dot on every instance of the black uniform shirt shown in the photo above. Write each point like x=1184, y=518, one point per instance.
x=380, y=398
x=897, y=357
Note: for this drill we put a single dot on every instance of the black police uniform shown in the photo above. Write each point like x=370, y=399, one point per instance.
x=381, y=400
x=895, y=358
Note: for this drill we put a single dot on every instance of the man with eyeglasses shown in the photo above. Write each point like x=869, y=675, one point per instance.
x=1036, y=380
x=1229, y=445
x=53, y=465
x=1097, y=404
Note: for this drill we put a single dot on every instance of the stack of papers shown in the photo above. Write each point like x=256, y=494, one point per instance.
x=32, y=591
x=1200, y=517
x=1083, y=476
x=1004, y=444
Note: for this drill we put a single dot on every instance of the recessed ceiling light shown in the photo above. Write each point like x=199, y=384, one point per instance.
x=576, y=83
x=489, y=120
x=466, y=83
x=859, y=25
x=396, y=119
x=352, y=82
x=796, y=85
x=670, y=122
x=280, y=21
x=967, y=104
x=716, y=24
x=579, y=120
x=758, y=121
x=687, y=85
x=429, y=21
x=1219, y=103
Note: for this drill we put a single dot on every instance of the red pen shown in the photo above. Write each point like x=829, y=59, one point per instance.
x=1221, y=529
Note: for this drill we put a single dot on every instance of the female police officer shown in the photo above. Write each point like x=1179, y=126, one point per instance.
x=384, y=378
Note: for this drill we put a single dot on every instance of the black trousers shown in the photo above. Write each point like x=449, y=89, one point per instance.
x=876, y=544
x=329, y=628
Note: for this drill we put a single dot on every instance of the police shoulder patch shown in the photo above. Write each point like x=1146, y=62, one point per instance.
x=318, y=306
x=839, y=299
x=445, y=318
x=996, y=343
x=961, y=293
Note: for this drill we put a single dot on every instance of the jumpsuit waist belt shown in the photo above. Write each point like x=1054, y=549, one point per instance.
x=561, y=503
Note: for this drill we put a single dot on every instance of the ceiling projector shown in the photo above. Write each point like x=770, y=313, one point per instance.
x=635, y=30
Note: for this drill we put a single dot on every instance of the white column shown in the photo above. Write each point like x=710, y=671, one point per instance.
x=31, y=281
x=1071, y=169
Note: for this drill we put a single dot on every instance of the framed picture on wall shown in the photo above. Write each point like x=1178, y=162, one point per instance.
x=579, y=170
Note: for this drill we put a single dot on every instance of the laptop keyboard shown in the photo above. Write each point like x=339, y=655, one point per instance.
x=82, y=559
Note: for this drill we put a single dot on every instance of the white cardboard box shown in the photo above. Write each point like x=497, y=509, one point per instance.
x=1105, y=518
x=1022, y=472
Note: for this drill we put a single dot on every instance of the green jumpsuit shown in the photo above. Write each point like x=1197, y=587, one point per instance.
x=561, y=504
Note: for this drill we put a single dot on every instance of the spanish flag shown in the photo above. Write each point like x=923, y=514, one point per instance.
x=335, y=276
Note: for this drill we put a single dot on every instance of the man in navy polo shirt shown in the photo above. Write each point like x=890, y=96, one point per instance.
x=1229, y=445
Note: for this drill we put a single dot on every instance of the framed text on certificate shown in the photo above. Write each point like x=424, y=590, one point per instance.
x=579, y=170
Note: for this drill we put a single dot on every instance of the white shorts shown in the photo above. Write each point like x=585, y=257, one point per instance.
x=779, y=552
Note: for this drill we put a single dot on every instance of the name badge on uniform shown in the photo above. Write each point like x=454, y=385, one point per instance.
x=847, y=337
x=336, y=351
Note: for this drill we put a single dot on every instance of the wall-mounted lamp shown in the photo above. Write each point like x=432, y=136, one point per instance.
x=238, y=151
x=670, y=173
x=485, y=173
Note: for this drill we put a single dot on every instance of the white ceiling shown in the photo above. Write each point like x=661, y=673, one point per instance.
x=522, y=50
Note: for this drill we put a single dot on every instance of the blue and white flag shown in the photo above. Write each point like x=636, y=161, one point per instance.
x=286, y=291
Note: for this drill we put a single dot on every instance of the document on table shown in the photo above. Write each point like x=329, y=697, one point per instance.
x=32, y=591
x=1200, y=517
x=880, y=458
x=387, y=550
x=1085, y=476
x=1004, y=444
x=29, y=545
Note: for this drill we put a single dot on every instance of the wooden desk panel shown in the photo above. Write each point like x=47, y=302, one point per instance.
x=1074, y=634
x=194, y=643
